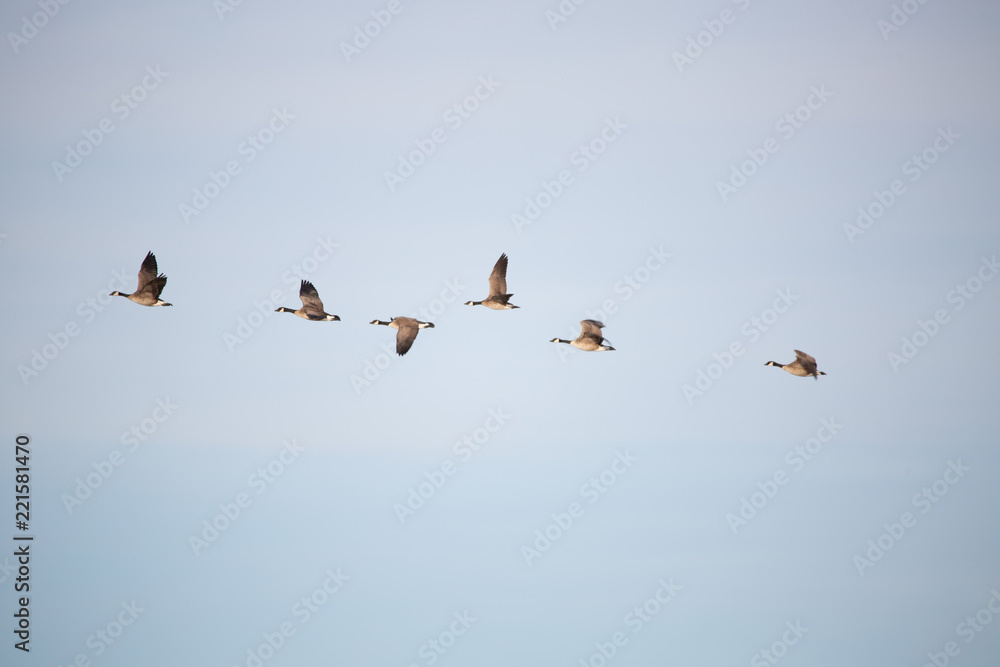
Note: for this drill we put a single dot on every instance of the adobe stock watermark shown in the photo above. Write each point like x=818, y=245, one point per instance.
x=87, y=309
x=581, y=158
x=926, y=330
x=248, y=150
x=264, y=309
x=105, y=468
x=630, y=284
x=432, y=649
x=30, y=25
x=375, y=366
x=899, y=16
x=797, y=457
x=364, y=34
x=6, y=569
x=751, y=329
x=883, y=200
x=968, y=629
x=260, y=480
x=636, y=619
x=786, y=125
x=700, y=42
x=562, y=12
x=923, y=501
x=303, y=611
x=106, y=636
x=454, y=116
x=121, y=108
x=779, y=648
x=436, y=478
x=592, y=490
x=224, y=7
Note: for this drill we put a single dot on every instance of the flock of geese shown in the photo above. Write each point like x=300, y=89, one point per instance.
x=151, y=284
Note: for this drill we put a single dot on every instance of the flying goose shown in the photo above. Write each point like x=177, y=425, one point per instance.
x=497, y=299
x=147, y=293
x=803, y=366
x=312, y=307
x=590, y=338
x=406, y=331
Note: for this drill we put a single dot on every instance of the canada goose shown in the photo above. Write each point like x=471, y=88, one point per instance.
x=803, y=366
x=312, y=307
x=147, y=293
x=590, y=338
x=497, y=299
x=407, y=329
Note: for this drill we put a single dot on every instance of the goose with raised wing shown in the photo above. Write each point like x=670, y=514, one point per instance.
x=498, y=299
x=803, y=366
x=312, y=306
x=147, y=293
x=590, y=338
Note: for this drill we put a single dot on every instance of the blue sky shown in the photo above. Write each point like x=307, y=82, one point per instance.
x=560, y=490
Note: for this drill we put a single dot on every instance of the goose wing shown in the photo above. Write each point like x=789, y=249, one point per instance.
x=807, y=362
x=311, y=302
x=498, y=278
x=153, y=287
x=591, y=327
x=147, y=272
x=406, y=333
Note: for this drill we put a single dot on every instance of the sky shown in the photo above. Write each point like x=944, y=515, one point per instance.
x=720, y=184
